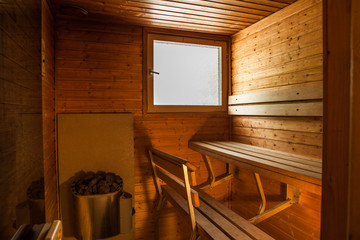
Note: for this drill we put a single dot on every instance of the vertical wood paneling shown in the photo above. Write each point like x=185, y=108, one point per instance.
x=354, y=231
x=337, y=112
x=48, y=110
x=20, y=108
x=282, y=51
x=98, y=68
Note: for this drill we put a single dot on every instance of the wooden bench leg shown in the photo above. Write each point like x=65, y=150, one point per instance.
x=213, y=181
x=292, y=196
x=261, y=192
x=159, y=207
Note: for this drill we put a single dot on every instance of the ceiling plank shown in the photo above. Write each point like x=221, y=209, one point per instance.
x=211, y=16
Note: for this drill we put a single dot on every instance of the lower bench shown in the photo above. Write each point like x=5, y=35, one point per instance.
x=208, y=218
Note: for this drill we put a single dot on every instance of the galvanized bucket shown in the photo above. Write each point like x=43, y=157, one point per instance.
x=96, y=216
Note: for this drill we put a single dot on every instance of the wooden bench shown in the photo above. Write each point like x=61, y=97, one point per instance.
x=294, y=170
x=208, y=218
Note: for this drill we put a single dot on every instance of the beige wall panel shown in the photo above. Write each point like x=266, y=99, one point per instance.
x=93, y=142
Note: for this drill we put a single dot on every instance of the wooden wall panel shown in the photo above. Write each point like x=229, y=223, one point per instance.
x=99, y=69
x=48, y=110
x=20, y=108
x=339, y=87
x=282, y=51
x=354, y=206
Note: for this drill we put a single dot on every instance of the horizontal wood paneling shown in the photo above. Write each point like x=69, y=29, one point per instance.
x=283, y=51
x=224, y=17
x=99, y=69
x=20, y=108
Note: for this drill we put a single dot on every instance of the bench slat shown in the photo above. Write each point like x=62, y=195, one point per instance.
x=279, y=95
x=234, y=218
x=314, y=108
x=301, y=164
x=240, y=157
x=169, y=166
x=290, y=156
x=222, y=223
x=206, y=226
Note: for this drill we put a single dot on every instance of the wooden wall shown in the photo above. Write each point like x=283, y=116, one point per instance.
x=20, y=107
x=354, y=206
x=340, y=132
x=48, y=110
x=98, y=68
x=281, y=51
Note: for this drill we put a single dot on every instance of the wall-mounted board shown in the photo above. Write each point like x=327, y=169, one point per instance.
x=300, y=101
x=93, y=142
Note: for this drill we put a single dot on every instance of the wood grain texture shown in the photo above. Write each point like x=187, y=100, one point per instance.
x=313, y=108
x=224, y=17
x=354, y=206
x=292, y=169
x=91, y=79
x=279, y=95
x=48, y=106
x=337, y=95
x=281, y=52
x=20, y=108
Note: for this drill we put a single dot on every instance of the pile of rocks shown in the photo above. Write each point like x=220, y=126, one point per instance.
x=99, y=183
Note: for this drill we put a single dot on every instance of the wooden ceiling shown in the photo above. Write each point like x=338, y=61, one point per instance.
x=224, y=17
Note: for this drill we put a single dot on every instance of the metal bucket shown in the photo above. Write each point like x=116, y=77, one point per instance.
x=96, y=216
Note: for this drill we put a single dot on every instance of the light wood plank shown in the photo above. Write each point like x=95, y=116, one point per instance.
x=234, y=218
x=287, y=12
x=261, y=165
x=310, y=164
x=284, y=109
x=177, y=185
x=206, y=226
x=279, y=95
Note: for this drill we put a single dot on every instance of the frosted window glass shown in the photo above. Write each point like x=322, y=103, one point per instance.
x=189, y=74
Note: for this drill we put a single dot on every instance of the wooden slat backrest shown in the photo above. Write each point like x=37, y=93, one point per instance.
x=175, y=173
x=300, y=101
x=172, y=164
x=177, y=185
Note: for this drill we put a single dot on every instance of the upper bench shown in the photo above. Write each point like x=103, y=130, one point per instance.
x=296, y=170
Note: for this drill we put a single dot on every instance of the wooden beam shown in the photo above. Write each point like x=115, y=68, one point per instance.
x=337, y=75
x=354, y=193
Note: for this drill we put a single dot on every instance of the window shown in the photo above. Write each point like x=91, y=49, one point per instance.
x=186, y=74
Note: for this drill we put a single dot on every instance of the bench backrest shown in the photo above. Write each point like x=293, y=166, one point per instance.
x=178, y=174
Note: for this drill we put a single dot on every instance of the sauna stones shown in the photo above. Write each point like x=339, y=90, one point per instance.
x=36, y=189
x=98, y=183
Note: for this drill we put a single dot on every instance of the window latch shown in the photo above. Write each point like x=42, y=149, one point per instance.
x=152, y=72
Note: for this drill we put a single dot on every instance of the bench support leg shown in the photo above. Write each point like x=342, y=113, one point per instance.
x=159, y=207
x=213, y=181
x=261, y=192
x=292, y=196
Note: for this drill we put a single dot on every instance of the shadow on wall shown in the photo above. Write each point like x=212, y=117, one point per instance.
x=21, y=155
x=143, y=175
x=209, y=132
